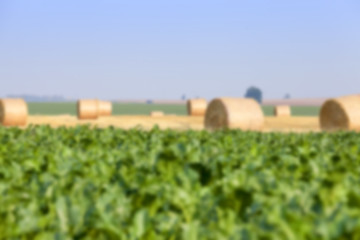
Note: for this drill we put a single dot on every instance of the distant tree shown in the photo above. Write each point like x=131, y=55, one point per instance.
x=183, y=97
x=255, y=93
x=287, y=96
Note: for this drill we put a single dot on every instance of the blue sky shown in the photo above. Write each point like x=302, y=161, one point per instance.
x=133, y=49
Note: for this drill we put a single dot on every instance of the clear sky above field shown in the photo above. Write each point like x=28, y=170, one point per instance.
x=166, y=48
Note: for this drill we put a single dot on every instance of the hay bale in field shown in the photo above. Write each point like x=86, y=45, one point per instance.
x=282, y=111
x=105, y=108
x=196, y=107
x=88, y=109
x=13, y=112
x=341, y=113
x=156, y=114
x=234, y=113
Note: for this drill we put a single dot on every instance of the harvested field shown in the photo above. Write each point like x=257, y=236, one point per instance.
x=126, y=122
x=292, y=124
x=286, y=124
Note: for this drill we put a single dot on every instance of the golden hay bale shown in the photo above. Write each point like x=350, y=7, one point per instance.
x=242, y=113
x=88, y=109
x=282, y=111
x=156, y=114
x=13, y=112
x=196, y=107
x=341, y=113
x=105, y=108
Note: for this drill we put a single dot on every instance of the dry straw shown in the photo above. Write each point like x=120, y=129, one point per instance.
x=156, y=114
x=341, y=113
x=88, y=109
x=282, y=111
x=13, y=112
x=196, y=107
x=234, y=113
x=105, y=108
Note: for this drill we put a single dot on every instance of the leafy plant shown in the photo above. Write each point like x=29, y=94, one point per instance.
x=84, y=183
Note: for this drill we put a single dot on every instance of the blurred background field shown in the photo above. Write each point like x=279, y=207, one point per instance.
x=59, y=108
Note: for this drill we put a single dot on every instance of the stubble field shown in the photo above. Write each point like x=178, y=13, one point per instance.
x=136, y=115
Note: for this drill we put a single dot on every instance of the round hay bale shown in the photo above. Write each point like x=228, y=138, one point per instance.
x=13, y=112
x=156, y=114
x=282, y=111
x=105, y=108
x=88, y=109
x=196, y=107
x=234, y=113
x=341, y=113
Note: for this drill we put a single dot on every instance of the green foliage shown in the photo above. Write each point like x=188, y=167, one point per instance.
x=83, y=183
x=255, y=93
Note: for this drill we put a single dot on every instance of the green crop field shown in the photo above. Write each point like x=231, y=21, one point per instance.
x=145, y=109
x=83, y=183
x=295, y=110
x=118, y=108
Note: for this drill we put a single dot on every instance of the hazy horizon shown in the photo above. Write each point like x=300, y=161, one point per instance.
x=164, y=49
